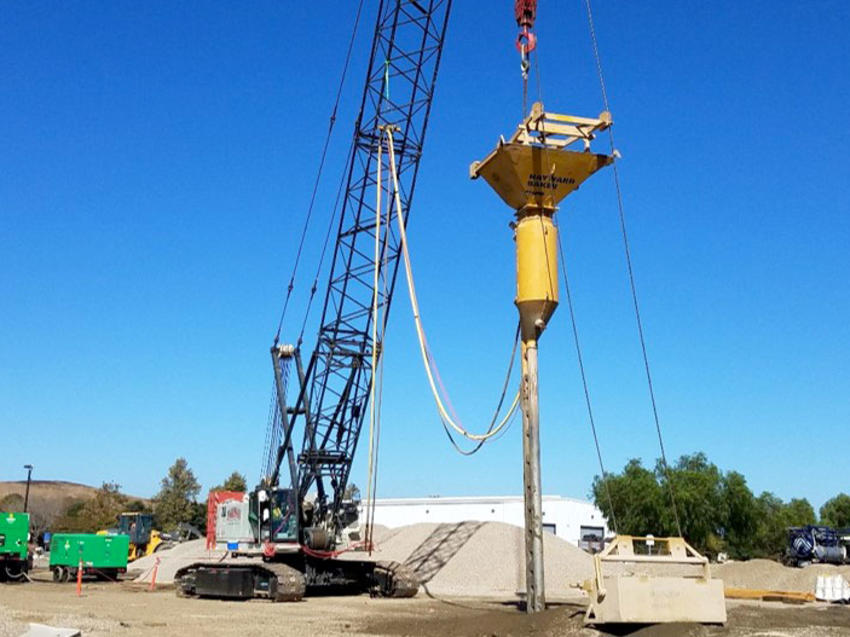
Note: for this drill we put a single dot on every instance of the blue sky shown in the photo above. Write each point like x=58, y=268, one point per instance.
x=155, y=161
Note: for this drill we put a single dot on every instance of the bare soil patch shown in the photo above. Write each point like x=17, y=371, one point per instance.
x=129, y=609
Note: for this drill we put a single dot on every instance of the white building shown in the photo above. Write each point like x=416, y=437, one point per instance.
x=574, y=520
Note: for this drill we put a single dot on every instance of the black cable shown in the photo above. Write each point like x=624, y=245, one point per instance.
x=319, y=172
x=328, y=234
x=480, y=443
x=579, y=356
x=584, y=385
x=570, y=307
x=270, y=424
x=108, y=577
x=627, y=250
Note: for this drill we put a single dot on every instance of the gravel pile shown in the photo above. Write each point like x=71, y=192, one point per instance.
x=769, y=575
x=480, y=559
x=170, y=560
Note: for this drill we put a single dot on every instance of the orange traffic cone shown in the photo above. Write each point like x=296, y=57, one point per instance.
x=80, y=578
x=153, y=576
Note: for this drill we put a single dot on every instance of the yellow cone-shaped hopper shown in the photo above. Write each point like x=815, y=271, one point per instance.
x=524, y=175
x=532, y=173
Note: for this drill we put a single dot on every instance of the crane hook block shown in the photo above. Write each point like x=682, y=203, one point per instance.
x=526, y=42
x=525, y=12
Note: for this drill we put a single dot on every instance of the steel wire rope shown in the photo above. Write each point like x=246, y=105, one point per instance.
x=370, y=514
x=328, y=233
x=269, y=426
x=274, y=426
x=576, y=339
x=505, y=386
x=275, y=423
x=630, y=269
x=374, y=357
x=580, y=358
x=420, y=332
x=324, y=154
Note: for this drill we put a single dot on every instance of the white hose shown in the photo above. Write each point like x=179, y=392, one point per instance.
x=420, y=330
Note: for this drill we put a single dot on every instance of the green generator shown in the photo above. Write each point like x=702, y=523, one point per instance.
x=15, y=558
x=103, y=556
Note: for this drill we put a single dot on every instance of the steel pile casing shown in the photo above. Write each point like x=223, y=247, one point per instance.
x=537, y=272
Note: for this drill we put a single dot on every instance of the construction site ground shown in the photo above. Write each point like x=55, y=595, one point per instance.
x=127, y=608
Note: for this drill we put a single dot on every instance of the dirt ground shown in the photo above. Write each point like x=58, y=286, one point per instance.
x=128, y=609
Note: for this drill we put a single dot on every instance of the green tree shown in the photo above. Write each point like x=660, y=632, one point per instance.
x=236, y=482
x=137, y=506
x=836, y=511
x=97, y=513
x=739, y=516
x=636, y=498
x=12, y=502
x=771, y=532
x=799, y=512
x=175, y=501
x=698, y=489
x=773, y=519
x=199, y=516
x=717, y=511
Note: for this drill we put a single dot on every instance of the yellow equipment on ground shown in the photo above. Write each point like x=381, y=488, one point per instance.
x=644, y=586
x=144, y=539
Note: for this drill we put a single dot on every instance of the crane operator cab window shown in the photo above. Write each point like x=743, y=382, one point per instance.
x=279, y=516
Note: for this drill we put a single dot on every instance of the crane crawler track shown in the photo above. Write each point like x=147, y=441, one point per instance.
x=396, y=580
x=241, y=580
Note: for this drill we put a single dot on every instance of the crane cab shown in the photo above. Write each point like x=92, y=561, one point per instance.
x=275, y=515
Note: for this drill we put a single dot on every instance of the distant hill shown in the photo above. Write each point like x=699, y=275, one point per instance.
x=50, y=489
x=51, y=497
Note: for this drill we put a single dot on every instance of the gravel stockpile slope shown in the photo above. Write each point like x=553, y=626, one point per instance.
x=769, y=575
x=170, y=560
x=480, y=559
x=399, y=543
x=493, y=562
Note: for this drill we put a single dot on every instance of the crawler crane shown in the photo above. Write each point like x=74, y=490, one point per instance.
x=298, y=535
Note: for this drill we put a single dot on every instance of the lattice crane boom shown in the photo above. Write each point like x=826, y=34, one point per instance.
x=333, y=388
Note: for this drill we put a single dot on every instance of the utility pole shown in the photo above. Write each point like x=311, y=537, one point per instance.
x=28, y=467
x=532, y=172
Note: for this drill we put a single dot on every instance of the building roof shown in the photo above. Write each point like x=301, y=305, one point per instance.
x=485, y=499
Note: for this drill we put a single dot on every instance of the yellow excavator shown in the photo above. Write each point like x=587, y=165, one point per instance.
x=144, y=539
